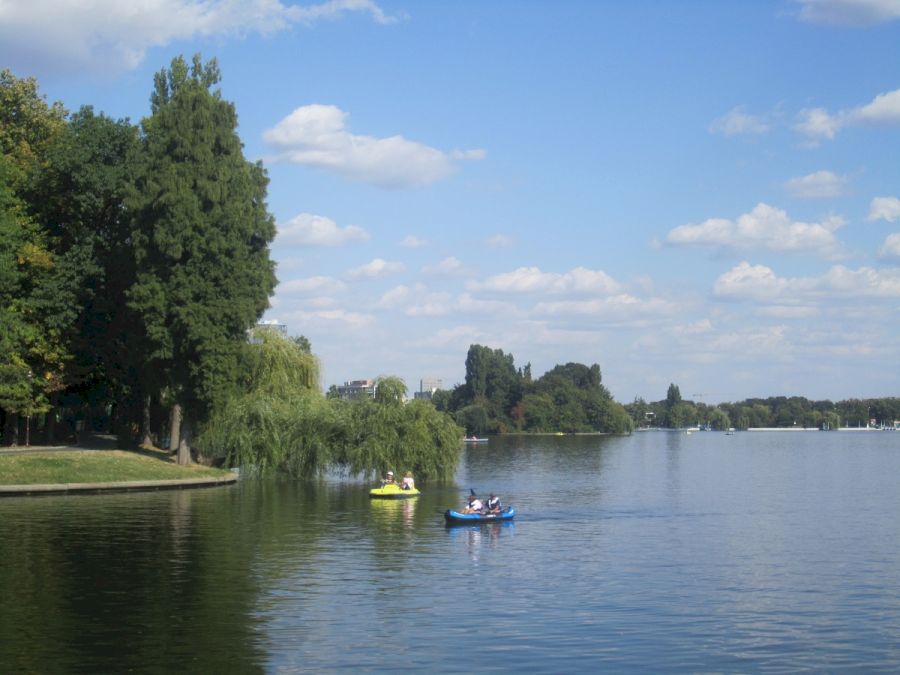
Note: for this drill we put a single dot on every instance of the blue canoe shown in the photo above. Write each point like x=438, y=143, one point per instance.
x=456, y=518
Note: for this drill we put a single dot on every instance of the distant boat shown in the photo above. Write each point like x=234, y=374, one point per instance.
x=475, y=439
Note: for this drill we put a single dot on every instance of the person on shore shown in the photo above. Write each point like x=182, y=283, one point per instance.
x=474, y=505
x=493, y=504
x=407, y=483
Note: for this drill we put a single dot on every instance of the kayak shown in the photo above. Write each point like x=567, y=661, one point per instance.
x=475, y=440
x=392, y=492
x=456, y=518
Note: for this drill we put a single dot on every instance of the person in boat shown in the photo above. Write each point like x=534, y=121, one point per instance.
x=493, y=505
x=474, y=505
x=388, y=479
x=408, y=483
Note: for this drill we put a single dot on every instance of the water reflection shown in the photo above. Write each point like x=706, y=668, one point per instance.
x=645, y=554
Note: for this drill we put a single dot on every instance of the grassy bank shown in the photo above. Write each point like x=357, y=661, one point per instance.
x=75, y=466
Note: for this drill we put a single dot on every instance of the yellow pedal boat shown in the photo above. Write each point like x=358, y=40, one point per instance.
x=392, y=491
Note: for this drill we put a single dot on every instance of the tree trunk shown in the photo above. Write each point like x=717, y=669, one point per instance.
x=184, y=443
x=175, y=427
x=12, y=429
x=146, y=438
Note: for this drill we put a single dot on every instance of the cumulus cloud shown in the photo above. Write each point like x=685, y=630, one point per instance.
x=533, y=280
x=818, y=123
x=498, y=241
x=849, y=12
x=884, y=208
x=818, y=185
x=114, y=36
x=316, y=135
x=396, y=296
x=412, y=241
x=308, y=229
x=310, y=285
x=890, y=249
x=450, y=266
x=760, y=283
x=737, y=122
x=615, y=306
x=375, y=269
x=765, y=227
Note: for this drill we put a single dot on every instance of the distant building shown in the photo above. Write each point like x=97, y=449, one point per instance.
x=356, y=388
x=427, y=387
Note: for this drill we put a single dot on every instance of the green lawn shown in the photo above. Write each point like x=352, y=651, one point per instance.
x=93, y=467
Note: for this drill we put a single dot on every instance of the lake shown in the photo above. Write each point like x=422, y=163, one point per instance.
x=658, y=552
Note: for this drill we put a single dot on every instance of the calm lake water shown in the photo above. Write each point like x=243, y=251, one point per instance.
x=659, y=552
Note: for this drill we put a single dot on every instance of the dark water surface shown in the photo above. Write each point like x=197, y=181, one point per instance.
x=659, y=552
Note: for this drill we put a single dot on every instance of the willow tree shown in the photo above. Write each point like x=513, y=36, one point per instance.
x=277, y=421
x=386, y=433
x=201, y=243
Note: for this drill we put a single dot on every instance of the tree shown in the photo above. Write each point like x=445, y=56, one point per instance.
x=78, y=194
x=35, y=296
x=201, y=235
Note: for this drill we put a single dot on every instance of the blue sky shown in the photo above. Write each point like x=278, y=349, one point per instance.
x=698, y=192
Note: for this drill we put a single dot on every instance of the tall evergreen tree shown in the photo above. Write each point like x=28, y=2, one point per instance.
x=200, y=239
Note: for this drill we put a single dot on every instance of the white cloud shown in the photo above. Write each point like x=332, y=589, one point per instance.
x=760, y=283
x=765, y=227
x=818, y=123
x=694, y=328
x=617, y=306
x=114, y=36
x=375, y=269
x=890, y=249
x=412, y=241
x=820, y=184
x=498, y=241
x=849, y=12
x=788, y=312
x=432, y=304
x=458, y=336
x=738, y=122
x=884, y=208
x=308, y=229
x=316, y=135
x=533, y=280
x=394, y=297
x=450, y=266
x=310, y=285
x=329, y=317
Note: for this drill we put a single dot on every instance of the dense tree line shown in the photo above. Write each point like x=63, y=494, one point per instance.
x=496, y=397
x=776, y=411
x=134, y=263
x=132, y=259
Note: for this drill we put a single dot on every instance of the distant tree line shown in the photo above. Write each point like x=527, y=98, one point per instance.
x=497, y=397
x=776, y=411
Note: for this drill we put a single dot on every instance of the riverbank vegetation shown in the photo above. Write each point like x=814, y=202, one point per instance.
x=774, y=412
x=280, y=422
x=498, y=398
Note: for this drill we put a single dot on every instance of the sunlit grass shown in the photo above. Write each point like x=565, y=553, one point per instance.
x=93, y=467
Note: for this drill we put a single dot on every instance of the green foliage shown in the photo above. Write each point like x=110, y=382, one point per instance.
x=496, y=398
x=390, y=390
x=200, y=239
x=279, y=423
